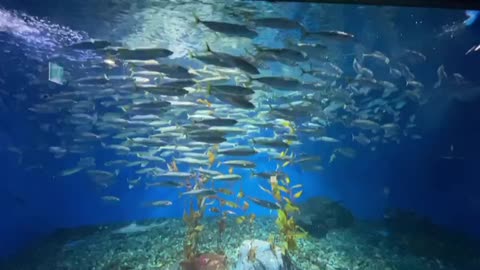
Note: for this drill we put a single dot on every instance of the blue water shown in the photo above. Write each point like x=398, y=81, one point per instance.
x=409, y=175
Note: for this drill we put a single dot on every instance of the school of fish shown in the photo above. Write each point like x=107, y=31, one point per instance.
x=201, y=127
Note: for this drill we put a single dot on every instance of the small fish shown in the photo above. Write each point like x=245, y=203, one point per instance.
x=264, y=189
x=211, y=157
x=346, y=152
x=365, y=124
x=231, y=29
x=168, y=183
x=246, y=206
x=278, y=23
x=475, y=48
x=217, y=122
x=160, y=203
x=229, y=203
x=134, y=182
x=377, y=55
x=239, y=163
x=333, y=35
x=176, y=175
x=173, y=166
x=325, y=139
x=139, y=53
x=193, y=161
x=280, y=83
x=92, y=44
x=441, y=76
x=238, y=151
x=240, y=219
x=225, y=191
x=252, y=218
x=214, y=210
x=227, y=177
x=298, y=194
x=361, y=139
x=110, y=63
x=204, y=102
x=207, y=172
x=199, y=192
x=229, y=90
x=229, y=212
x=297, y=186
x=71, y=171
x=264, y=203
x=110, y=199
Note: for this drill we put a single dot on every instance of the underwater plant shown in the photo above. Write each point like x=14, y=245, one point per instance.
x=222, y=225
x=290, y=232
x=194, y=228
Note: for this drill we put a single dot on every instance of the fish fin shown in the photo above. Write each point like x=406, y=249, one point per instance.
x=196, y=18
x=208, y=48
x=303, y=31
x=249, y=81
x=290, y=42
x=249, y=53
x=191, y=54
x=209, y=89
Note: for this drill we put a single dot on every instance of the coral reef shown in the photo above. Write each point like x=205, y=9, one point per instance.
x=318, y=215
x=362, y=246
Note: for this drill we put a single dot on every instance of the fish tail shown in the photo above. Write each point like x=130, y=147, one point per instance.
x=302, y=71
x=303, y=32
